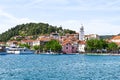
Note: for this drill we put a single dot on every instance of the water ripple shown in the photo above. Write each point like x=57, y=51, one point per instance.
x=59, y=67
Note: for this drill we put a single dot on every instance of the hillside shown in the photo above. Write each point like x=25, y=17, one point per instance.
x=32, y=29
x=106, y=36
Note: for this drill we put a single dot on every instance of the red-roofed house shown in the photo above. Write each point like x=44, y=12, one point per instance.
x=29, y=42
x=41, y=41
x=69, y=47
x=115, y=39
x=2, y=43
x=9, y=43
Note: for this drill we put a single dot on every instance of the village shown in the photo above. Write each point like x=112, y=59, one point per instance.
x=71, y=43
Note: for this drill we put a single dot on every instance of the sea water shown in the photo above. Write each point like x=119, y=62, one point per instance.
x=59, y=67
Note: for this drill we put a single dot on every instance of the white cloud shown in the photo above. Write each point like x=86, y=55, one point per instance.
x=99, y=16
x=33, y=3
x=69, y=24
x=2, y=13
x=100, y=27
x=67, y=4
x=84, y=5
x=9, y=21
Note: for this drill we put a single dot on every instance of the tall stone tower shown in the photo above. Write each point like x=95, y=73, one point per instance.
x=81, y=33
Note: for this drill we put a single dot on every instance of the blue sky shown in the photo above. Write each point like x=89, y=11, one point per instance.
x=98, y=16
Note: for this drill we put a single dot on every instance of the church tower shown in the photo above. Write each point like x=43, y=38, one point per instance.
x=81, y=33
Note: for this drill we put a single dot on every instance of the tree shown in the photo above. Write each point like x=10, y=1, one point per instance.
x=94, y=44
x=36, y=47
x=25, y=45
x=112, y=46
x=53, y=45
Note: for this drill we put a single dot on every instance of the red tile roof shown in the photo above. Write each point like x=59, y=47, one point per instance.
x=45, y=39
x=82, y=42
x=2, y=42
x=27, y=40
x=116, y=37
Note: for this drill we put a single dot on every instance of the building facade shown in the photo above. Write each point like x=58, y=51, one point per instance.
x=92, y=36
x=81, y=46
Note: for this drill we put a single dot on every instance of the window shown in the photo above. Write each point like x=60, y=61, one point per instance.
x=66, y=47
x=72, y=47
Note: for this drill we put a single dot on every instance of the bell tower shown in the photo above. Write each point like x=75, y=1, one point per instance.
x=81, y=33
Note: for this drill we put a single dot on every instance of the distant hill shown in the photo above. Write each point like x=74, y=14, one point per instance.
x=32, y=29
x=106, y=36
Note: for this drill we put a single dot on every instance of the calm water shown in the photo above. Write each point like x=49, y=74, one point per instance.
x=59, y=67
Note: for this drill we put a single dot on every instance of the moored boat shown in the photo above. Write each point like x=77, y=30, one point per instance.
x=18, y=50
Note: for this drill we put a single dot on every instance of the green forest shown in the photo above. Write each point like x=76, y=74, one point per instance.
x=32, y=29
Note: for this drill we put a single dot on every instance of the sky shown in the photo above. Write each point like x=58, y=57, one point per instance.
x=97, y=16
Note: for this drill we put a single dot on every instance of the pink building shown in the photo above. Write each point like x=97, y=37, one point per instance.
x=69, y=47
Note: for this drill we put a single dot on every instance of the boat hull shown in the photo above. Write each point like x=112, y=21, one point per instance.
x=20, y=52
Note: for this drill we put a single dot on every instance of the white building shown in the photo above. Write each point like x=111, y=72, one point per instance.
x=91, y=36
x=36, y=42
x=81, y=46
x=41, y=40
x=9, y=43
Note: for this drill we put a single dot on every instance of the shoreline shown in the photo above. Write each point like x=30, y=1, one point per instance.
x=107, y=54
x=94, y=54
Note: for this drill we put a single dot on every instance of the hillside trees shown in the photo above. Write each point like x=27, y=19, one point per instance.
x=32, y=29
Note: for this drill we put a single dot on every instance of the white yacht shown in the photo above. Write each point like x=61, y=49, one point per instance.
x=18, y=50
